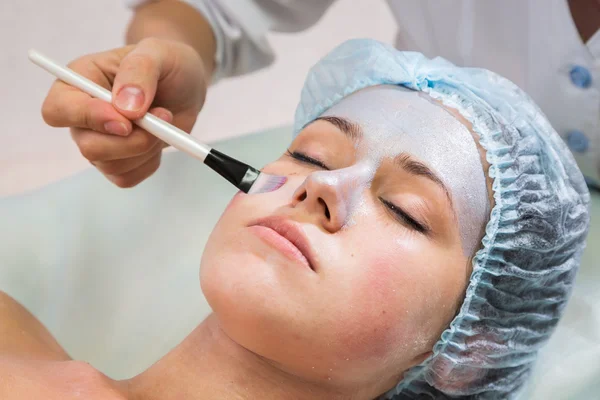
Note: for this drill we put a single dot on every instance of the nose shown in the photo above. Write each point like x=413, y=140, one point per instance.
x=326, y=195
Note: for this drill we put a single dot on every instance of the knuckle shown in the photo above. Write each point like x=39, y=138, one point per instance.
x=144, y=142
x=123, y=181
x=85, y=117
x=151, y=42
x=110, y=168
x=83, y=120
x=154, y=168
x=89, y=148
x=80, y=64
x=50, y=113
x=138, y=62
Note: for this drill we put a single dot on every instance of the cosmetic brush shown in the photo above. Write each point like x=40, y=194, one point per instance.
x=244, y=177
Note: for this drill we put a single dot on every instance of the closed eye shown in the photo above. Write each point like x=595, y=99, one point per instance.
x=405, y=218
x=307, y=160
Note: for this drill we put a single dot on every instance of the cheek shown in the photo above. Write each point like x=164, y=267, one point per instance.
x=245, y=208
x=370, y=325
x=395, y=308
x=235, y=201
x=223, y=253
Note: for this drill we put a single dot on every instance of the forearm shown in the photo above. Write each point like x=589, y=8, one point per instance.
x=175, y=20
x=22, y=335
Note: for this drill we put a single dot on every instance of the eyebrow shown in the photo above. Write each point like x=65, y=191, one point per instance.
x=351, y=129
x=417, y=168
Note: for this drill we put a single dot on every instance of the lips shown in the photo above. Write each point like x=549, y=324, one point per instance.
x=287, y=236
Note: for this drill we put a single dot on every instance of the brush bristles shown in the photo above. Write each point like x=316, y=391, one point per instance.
x=267, y=183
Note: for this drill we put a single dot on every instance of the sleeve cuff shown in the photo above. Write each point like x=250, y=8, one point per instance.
x=212, y=18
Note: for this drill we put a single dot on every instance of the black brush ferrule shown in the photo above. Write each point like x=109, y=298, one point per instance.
x=241, y=175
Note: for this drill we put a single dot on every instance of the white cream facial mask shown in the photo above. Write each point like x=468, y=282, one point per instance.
x=398, y=120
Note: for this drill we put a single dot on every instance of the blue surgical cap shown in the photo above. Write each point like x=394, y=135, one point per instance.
x=525, y=268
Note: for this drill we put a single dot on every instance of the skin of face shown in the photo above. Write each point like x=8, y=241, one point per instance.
x=355, y=304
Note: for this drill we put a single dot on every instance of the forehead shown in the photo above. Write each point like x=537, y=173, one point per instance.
x=398, y=120
x=399, y=114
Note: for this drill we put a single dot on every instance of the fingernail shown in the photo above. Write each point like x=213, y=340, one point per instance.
x=130, y=98
x=116, y=128
x=165, y=116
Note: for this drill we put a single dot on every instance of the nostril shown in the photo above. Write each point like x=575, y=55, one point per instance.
x=302, y=196
x=322, y=202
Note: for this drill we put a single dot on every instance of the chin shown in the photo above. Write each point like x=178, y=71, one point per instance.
x=237, y=279
x=258, y=305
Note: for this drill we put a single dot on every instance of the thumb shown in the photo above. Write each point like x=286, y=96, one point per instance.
x=136, y=80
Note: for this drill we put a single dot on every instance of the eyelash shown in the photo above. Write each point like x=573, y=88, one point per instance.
x=398, y=212
x=404, y=217
x=306, y=159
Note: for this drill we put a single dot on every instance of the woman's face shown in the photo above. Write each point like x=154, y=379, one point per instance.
x=348, y=274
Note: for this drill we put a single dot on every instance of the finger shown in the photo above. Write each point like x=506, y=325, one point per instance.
x=139, y=174
x=79, y=110
x=67, y=106
x=135, y=84
x=100, y=147
x=121, y=167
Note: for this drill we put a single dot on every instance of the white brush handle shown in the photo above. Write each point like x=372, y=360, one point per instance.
x=156, y=126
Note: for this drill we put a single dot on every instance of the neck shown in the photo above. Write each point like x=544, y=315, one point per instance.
x=209, y=365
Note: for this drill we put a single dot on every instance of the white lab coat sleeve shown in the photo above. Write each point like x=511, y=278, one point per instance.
x=241, y=26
